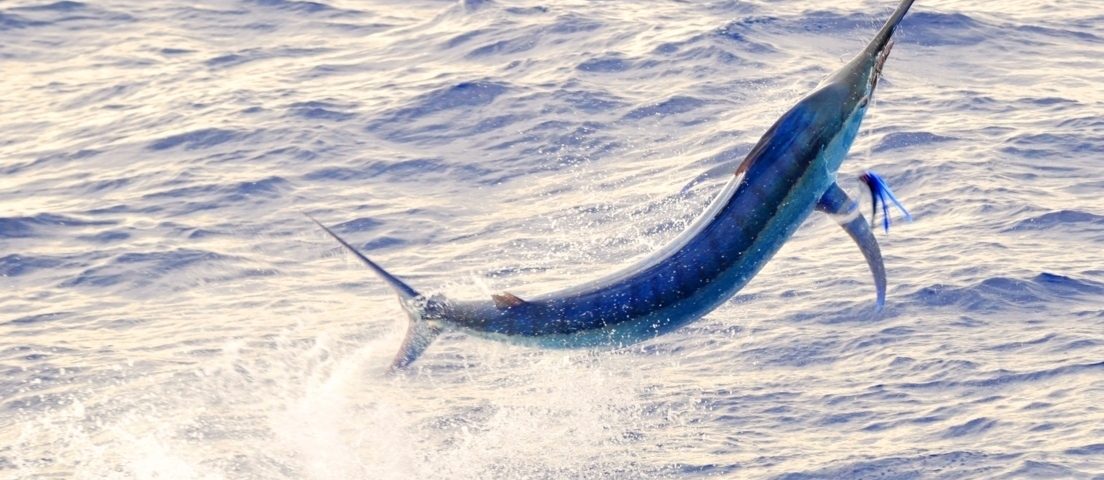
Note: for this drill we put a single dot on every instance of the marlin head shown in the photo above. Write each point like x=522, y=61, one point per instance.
x=860, y=76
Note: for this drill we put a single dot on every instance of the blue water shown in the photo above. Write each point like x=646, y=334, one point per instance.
x=170, y=314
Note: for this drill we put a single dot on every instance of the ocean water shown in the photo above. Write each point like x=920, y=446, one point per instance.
x=169, y=313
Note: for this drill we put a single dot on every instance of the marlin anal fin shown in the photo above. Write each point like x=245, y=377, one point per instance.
x=835, y=202
x=880, y=193
x=506, y=300
x=419, y=333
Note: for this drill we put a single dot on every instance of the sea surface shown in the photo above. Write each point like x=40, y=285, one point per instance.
x=169, y=313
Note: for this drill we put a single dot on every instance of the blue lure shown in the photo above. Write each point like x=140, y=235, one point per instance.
x=880, y=193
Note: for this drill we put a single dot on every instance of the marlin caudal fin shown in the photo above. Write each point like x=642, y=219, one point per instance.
x=835, y=202
x=404, y=290
x=420, y=333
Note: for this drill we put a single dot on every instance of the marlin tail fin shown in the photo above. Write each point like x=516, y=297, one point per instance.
x=420, y=334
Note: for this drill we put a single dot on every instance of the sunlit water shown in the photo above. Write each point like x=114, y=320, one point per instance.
x=168, y=313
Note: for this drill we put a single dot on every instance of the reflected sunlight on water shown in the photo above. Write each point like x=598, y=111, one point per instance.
x=172, y=315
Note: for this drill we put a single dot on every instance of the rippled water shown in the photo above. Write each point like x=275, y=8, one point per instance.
x=170, y=314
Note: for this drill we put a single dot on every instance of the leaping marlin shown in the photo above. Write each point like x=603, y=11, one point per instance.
x=789, y=173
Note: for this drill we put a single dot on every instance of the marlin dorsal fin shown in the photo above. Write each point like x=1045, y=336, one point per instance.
x=506, y=300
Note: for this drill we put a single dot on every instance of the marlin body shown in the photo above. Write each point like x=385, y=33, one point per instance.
x=789, y=173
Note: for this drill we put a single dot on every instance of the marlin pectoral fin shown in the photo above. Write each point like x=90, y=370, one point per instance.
x=506, y=300
x=835, y=202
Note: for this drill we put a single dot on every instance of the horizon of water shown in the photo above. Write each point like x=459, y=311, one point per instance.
x=171, y=314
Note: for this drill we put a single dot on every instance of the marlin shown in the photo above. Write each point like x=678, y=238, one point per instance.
x=788, y=174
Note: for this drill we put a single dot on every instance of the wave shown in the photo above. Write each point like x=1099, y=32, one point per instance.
x=962, y=463
x=898, y=140
x=670, y=107
x=25, y=227
x=1058, y=220
x=932, y=29
x=153, y=265
x=15, y=265
x=197, y=139
x=999, y=293
x=75, y=16
x=1005, y=378
x=460, y=96
x=321, y=110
